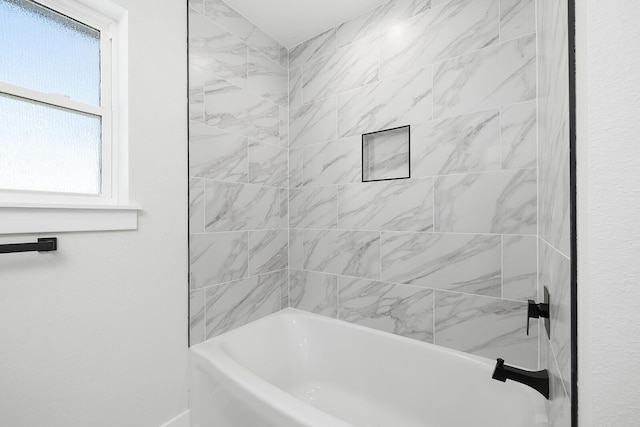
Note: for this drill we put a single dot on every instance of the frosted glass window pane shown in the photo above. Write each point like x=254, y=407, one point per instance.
x=46, y=148
x=48, y=52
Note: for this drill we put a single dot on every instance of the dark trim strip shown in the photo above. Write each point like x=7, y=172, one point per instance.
x=573, y=211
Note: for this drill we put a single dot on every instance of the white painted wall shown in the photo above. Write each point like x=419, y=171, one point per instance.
x=609, y=212
x=96, y=334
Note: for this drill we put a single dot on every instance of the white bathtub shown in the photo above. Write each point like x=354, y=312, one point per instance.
x=298, y=369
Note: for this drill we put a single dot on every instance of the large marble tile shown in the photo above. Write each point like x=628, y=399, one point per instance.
x=348, y=253
x=284, y=208
x=492, y=77
x=347, y=68
x=456, y=262
x=313, y=207
x=296, y=162
x=488, y=327
x=468, y=143
x=267, y=78
x=235, y=304
x=196, y=205
x=196, y=5
x=314, y=292
x=296, y=248
x=320, y=45
x=196, y=317
x=520, y=267
x=555, y=273
x=217, y=257
x=229, y=19
x=236, y=110
x=519, y=136
x=492, y=202
x=284, y=126
x=559, y=403
x=267, y=164
x=295, y=87
x=378, y=19
x=231, y=206
x=406, y=99
x=401, y=310
x=217, y=51
x=454, y=29
x=268, y=251
x=313, y=123
x=284, y=289
x=404, y=205
x=517, y=18
x=333, y=162
x=196, y=93
x=216, y=154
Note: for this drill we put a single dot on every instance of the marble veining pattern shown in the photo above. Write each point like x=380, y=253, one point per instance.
x=196, y=205
x=517, y=18
x=231, y=108
x=322, y=44
x=402, y=310
x=296, y=165
x=267, y=164
x=216, y=51
x=296, y=248
x=228, y=18
x=501, y=202
x=459, y=27
x=377, y=20
x=519, y=136
x=347, y=68
x=456, y=262
x=314, y=292
x=216, y=154
x=492, y=77
x=313, y=207
x=267, y=251
x=519, y=258
x=468, y=143
x=267, y=78
x=217, y=258
x=387, y=205
x=234, y=304
x=313, y=123
x=484, y=326
x=196, y=93
x=231, y=206
x=295, y=87
x=349, y=253
x=196, y=317
x=403, y=100
x=334, y=162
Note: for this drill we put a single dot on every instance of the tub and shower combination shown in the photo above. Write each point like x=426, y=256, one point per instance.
x=297, y=369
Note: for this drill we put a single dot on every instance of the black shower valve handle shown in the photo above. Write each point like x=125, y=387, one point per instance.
x=536, y=311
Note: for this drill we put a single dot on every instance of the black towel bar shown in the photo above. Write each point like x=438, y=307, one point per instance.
x=44, y=244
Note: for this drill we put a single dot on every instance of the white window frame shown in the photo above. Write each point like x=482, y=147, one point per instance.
x=40, y=211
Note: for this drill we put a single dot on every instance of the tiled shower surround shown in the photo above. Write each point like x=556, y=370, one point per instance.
x=554, y=269
x=280, y=217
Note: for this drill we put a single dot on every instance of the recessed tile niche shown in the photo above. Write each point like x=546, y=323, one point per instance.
x=385, y=154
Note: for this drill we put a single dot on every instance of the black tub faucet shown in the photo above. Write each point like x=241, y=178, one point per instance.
x=537, y=380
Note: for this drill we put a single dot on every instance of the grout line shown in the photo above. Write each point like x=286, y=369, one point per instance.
x=433, y=317
x=502, y=265
x=417, y=287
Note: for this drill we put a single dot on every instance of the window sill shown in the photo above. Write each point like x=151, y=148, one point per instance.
x=42, y=218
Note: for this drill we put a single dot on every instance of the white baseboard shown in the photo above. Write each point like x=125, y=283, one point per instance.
x=181, y=420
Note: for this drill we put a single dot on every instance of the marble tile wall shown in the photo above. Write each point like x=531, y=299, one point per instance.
x=238, y=171
x=450, y=255
x=554, y=269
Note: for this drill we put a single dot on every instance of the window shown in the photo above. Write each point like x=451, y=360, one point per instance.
x=59, y=99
